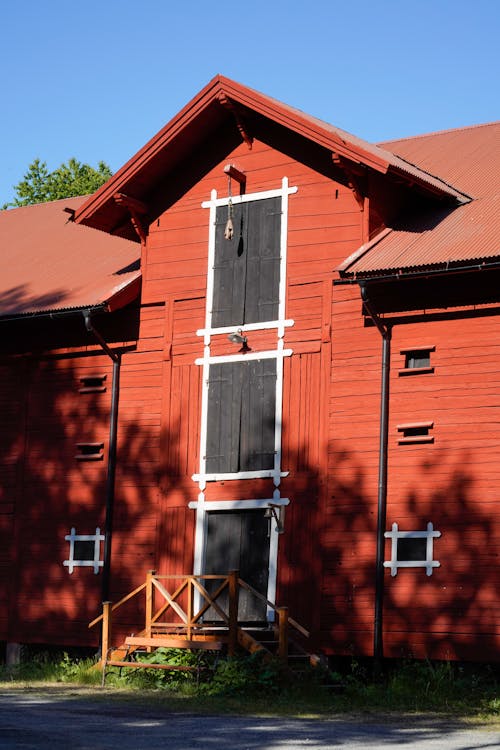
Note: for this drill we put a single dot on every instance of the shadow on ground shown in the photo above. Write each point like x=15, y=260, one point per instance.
x=84, y=719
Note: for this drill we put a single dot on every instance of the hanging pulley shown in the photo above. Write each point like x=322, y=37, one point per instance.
x=232, y=172
x=229, y=230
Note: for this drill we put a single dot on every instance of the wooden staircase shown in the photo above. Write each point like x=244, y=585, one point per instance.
x=176, y=609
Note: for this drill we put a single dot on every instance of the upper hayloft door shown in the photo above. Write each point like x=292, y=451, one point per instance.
x=247, y=266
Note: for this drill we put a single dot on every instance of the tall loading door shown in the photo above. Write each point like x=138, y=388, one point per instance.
x=239, y=540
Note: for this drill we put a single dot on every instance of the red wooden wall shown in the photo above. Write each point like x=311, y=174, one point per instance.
x=451, y=482
x=330, y=444
x=324, y=226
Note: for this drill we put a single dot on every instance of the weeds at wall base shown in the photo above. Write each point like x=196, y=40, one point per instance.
x=248, y=684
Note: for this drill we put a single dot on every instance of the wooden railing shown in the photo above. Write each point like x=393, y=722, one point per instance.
x=185, y=607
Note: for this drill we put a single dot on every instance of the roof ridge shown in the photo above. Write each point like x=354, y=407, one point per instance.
x=434, y=133
x=434, y=176
x=51, y=202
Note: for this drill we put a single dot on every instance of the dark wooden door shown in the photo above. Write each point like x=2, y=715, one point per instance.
x=241, y=416
x=247, y=267
x=239, y=540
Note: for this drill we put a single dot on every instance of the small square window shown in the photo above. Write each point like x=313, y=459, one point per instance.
x=412, y=549
x=84, y=550
x=417, y=360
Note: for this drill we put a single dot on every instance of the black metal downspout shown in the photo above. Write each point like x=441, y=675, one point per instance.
x=385, y=331
x=111, y=473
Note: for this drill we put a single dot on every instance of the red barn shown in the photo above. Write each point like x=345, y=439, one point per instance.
x=304, y=388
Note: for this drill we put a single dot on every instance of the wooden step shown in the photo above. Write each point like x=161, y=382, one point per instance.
x=164, y=641
x=250, y=644
x=195, y=635
x=152, y=665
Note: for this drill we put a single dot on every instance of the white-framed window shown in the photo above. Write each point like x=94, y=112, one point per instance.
x=412, y=549
x=84, y=550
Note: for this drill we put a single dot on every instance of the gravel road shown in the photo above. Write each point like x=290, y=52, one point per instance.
x=49, y=720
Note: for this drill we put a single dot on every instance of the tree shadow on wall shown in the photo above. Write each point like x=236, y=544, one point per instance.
x=326, y=555
x=327, y=562
x=452, y=613
x=45, y=491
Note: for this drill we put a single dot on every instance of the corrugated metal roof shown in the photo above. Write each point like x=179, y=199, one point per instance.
x=468, y=158
x=51, y=264
x=443, y=238
x=467, y=234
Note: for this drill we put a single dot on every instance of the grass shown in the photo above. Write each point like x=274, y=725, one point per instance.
x=248, y=685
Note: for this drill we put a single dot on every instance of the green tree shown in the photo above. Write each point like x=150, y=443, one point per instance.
x=71, y=178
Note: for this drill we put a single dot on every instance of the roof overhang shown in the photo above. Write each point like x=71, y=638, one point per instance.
x=224, y=100
x=54, y=267
x=441, y=241
x=110, y=300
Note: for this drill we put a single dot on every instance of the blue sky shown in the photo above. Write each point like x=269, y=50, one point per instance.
x=95, y=80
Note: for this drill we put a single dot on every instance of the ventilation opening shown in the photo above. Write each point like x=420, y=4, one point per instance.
x=412, y=549
x=90, y=451
x=416, y=432
x=92, y=384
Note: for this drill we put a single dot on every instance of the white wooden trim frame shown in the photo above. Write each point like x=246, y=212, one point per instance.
x=279, y=325
x=270, y=354
x=73, y=537
x=429, y=563
x=201, y=506
x=214, y=201
x=267, y=325
x=275, y=473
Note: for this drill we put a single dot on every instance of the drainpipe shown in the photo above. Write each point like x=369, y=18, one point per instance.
x=110, y=479
x=385, y=331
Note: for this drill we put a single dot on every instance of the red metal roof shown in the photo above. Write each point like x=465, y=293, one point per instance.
x=206, y=112
x=469, y=158
x=469, y=234
x=51, y=264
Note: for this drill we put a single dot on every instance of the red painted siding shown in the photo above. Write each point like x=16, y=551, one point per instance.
x=330, y=442
x=451, y=482
x=324, y=225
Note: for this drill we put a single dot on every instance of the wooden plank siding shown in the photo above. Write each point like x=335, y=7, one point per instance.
x=349, y=524
x=324, y=225
x=56, y=492
x=12, y=437
x=451, y=482
x=330, y=441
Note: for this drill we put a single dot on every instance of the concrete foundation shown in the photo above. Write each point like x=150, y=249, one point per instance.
x=12, y=654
